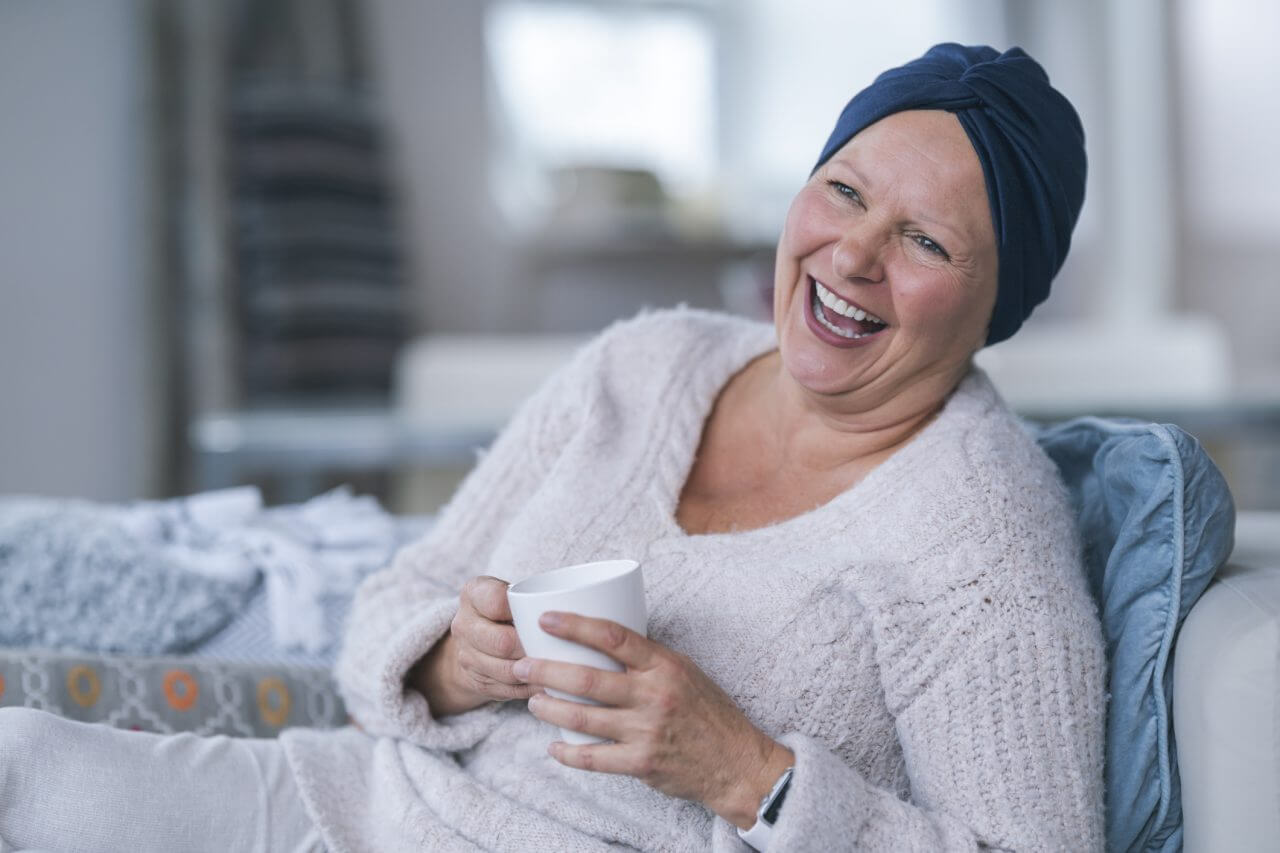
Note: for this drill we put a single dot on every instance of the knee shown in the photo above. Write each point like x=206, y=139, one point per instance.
x=27, y=736
x=18, y=723
x=24, y=737
x=23, y=734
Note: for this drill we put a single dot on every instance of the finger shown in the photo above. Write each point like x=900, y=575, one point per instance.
x=488, y=596
x=505, y=692
x=484, y=668
x=600, y=757
x=610, y=688
x=577, y=716
x=492, y=638
x=485, y=680
x=617, y=641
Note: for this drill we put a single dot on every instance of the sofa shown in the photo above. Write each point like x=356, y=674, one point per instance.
x=1226, y=699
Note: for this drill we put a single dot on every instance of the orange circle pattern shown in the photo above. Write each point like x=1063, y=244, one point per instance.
x=180, y=690
x=83, y=685
x=273, y=701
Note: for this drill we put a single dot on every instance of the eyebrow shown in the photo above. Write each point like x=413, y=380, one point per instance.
x=862, y=179
x=919, y=217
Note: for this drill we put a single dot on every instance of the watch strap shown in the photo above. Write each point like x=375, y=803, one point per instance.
x=767, y=815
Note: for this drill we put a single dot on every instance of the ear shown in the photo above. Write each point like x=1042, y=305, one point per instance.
x=982, y=339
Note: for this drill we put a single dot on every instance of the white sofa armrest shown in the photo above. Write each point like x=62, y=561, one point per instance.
x=1226, y=699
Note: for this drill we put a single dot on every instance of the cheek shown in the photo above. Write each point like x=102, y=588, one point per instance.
x=948, y=310
x=808, y=225
x=807, y=228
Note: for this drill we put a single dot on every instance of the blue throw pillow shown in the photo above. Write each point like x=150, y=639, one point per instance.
x=1157, y=521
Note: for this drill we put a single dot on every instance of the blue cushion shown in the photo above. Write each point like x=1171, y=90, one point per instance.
x=1157, y=521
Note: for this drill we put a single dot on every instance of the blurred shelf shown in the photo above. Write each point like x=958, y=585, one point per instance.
x=299, y=445
x=554, y=249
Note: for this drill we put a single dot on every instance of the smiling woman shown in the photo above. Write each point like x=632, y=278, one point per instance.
x=869, y=626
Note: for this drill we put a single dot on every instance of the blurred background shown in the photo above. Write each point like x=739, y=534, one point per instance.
x=298, y=243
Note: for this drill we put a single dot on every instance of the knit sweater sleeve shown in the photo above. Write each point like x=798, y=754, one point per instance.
x=399, y=613
x=998, y=703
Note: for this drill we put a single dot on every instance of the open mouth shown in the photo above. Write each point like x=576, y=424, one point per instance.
x=837, y=316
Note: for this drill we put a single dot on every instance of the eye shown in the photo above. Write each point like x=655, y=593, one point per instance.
x=930, y=246
x=845, y=190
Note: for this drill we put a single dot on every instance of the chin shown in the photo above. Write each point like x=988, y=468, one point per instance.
x=817, y=368
x=818, y=377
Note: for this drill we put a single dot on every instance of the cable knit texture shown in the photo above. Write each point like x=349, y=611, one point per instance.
x=924, y=642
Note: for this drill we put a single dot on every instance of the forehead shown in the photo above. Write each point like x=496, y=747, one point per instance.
x=925, y=157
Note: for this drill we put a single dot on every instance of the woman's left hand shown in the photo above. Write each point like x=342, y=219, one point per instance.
x=672, y=726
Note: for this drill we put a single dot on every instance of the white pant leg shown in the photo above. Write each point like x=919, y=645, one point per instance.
x=71, y=786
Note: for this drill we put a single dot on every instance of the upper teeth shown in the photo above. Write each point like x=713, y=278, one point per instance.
x=838, y=305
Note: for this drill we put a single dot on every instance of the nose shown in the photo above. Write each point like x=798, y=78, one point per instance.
x=857, y=254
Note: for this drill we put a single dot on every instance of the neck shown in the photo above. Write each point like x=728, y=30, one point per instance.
x=828, y=433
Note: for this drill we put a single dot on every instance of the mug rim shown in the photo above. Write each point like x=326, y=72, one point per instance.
x=629, y=566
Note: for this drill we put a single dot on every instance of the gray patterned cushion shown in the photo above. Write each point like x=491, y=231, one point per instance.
x=169, y=694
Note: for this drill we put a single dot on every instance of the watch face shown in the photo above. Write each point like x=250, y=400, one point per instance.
x=770, y=813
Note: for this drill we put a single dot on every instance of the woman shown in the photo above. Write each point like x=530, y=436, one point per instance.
x=867, y=608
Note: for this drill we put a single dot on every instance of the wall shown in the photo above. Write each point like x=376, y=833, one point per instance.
x=1230, y=178
x=430, y=67
x=75, y=389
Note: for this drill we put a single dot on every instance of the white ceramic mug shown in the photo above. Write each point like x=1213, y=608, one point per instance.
x=609, y=589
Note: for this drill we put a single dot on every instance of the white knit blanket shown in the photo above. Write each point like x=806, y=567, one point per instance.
x=163, y=576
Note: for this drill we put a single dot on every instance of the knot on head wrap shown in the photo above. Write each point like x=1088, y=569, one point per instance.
x=1029, y=141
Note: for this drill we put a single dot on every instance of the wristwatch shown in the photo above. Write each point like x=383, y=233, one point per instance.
x=758, y=835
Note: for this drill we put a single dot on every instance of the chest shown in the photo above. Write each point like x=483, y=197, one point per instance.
x=711, y=513
x=742, y=478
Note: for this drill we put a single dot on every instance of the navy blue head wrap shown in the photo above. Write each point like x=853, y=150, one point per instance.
x=1031, y=145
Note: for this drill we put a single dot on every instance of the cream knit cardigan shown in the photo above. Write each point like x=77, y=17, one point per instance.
x=924, y=642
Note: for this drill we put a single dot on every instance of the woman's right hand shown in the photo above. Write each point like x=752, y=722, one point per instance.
x=471, y=665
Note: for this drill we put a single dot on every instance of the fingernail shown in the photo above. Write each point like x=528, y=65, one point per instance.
x=551, y=619
x=522, y=668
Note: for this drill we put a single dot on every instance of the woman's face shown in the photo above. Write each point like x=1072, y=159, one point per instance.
x=893, y=228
